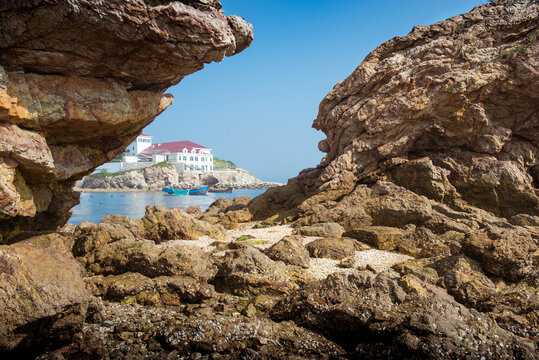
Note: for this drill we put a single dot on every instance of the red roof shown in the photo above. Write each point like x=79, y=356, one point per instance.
x=174, y=147
x=145, y=135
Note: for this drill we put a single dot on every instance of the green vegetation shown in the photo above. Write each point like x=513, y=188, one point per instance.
x=254, y=242
x=245, y=237
x=507, y=53
x=105, y=172
x=179, y=256
x=222, y=164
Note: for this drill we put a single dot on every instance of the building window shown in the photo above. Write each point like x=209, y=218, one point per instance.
x=196, y=158
x=191, y=158
x=185, y=158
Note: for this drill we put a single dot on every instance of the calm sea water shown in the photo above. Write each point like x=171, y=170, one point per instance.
x=95, y=206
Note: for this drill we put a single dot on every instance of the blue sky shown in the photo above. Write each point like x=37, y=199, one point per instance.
x=256, y=108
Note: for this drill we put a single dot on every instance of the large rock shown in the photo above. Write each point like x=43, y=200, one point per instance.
x=144, y=43
x=247, y=271
x=321, y=230
x=332, y=248
x=369, y=314
x=79, y=81
x=147, y=258
x=290, y=250
x=447, y=112
x=42, y=295
x=153, y=177
x=167, y=224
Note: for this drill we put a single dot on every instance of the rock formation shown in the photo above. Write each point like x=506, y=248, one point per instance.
x=79, y=81
x=431, y=152
x=157, y=176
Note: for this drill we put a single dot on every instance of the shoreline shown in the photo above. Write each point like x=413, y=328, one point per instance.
x=79, y=189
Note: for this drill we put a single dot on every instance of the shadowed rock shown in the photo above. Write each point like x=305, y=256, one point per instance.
x=42, y=295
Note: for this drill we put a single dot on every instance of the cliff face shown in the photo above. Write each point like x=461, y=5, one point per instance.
x=79, y=81
x=448, y=112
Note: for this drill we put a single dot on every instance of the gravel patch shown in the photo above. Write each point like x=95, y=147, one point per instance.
x=380, y=260
x=319, y=269
x=270, y=235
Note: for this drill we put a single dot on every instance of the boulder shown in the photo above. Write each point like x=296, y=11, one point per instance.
x=381, y=237
x=247, y=271
x=147, y=258
x=507, y=253
x=194, y=211
x=290, y=250
x=321, y=230
x=43, y=297
x=332, y=248
x=463, y=278
x=167, y=224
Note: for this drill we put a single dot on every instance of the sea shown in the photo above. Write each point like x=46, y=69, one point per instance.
x=96, y=205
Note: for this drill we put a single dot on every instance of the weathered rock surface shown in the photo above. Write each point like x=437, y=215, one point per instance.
x=141, y=42
x=289, y=250
x=322, y=230
x=150, y=178
x=247, y=271
x=174, y=335
x=79, y=81
x=42, y=295
x=432, y=151
x=430, y=112
x=332, y=248
x=368, y=314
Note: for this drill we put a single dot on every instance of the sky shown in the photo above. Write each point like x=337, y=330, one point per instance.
x=256, y=108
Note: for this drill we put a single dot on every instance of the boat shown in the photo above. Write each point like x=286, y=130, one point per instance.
x=227, y=190
x=172, y=191
x=199, y=191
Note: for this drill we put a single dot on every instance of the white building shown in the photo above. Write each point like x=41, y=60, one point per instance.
x=188, y=155
x=141, y=143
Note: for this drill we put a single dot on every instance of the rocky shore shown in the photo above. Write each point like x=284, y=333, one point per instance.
x=154, y=178
x=417, y=236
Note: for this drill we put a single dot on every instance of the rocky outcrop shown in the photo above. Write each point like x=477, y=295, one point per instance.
x=79, y=81
x=448, y=112
x=157, y=176
x=369, y=314
x=151, y=178
x=432, y=151
x=43, y=297
x=158, y=224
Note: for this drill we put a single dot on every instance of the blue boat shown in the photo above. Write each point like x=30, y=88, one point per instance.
x=172, y=191
x=199, y=191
